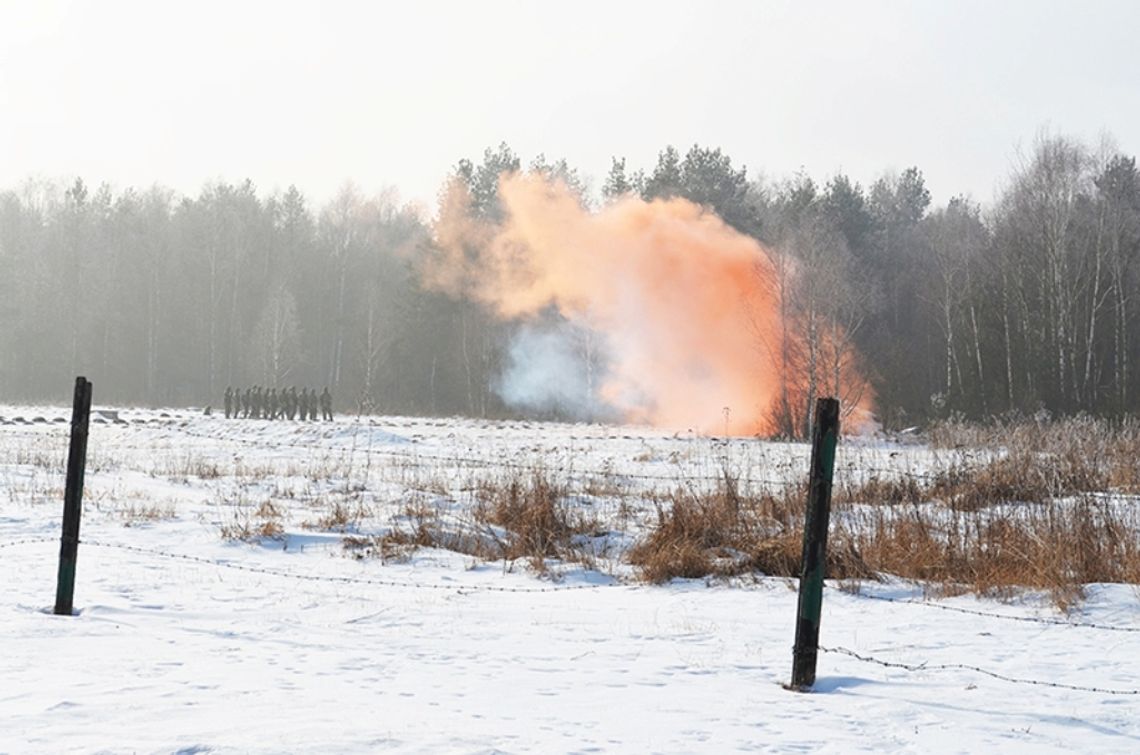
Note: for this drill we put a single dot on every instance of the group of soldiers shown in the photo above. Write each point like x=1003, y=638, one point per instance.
x=261, y=403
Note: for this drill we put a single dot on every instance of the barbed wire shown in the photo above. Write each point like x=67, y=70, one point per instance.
x=466, y=589
x=976, y=669
x=28, y=541
x=422, y=460
x=393, y=583
x=346, y=580
x=989, y=614
x=942, y=475
x=956, y=467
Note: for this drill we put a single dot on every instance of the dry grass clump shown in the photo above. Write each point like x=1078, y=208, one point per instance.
x=186, y=467
x=891, y=491
x=51, y=460
x=1021, y=477
x=1056, y=546
x=341, y=516
x=1010, y=478
x=722, y=533
x=1031, y=517
x=135, y=513
x=390, y=547
x=247, y=526
x=1070, y=455
x=525, y=515
x=417, y=526
x=538, y=519
x=421, y=523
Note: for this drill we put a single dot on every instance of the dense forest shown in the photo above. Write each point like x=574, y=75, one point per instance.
x=1029, y=304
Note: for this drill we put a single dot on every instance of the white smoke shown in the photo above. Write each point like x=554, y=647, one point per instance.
x=553, y=368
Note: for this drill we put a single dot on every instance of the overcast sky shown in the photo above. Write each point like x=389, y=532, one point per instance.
x=393, y=94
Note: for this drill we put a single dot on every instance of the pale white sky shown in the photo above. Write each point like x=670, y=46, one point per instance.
x=393, y=94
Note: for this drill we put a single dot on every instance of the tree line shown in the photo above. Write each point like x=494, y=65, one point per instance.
x=162, y=299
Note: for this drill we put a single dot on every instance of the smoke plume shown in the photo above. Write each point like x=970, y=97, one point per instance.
x=674, y=318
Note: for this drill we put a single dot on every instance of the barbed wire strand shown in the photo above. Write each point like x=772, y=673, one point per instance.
x=989, y=614
x=391, y=583
x=29, y=541
x=957, y=467
x=976, y=669
x=423, y=460
x=345, y=580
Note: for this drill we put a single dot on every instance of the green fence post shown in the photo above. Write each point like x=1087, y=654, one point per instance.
x=73, y=497
x=825, y=436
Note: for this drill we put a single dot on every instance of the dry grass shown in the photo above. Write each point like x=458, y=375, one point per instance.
x=723, y=533
x=1023, y=504
x=137, y=513
x=252, y=526
x=340, y=516
x=1029, y=517
x=52, y=460
x=1056, y=545
x=1070, y=455
x=538, y=519
x=391, y=547
x=1032, y=517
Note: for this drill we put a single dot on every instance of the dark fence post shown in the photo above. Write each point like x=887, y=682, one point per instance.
x=73, y=497
x=825, y=436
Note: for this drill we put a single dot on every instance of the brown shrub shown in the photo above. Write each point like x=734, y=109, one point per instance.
x=996, y=549
x=722, y=533
x=538, y=516
x=342, y=515
x=390, y=547
x=261, y=524
x=1014, y=522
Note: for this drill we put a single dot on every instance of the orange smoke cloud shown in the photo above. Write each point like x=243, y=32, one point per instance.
x=687, y=307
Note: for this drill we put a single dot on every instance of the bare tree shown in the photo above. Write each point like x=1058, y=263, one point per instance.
x=275, y=339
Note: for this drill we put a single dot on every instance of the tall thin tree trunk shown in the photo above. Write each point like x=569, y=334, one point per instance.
x=466, y=361
x=338, y=348
x=1007, y=338
x=1094, y=309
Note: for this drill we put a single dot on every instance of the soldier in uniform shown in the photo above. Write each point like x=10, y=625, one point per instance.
x=228, y=400
x=326, y=405
x=274, y=404
x=291, y=402
x=245, y=403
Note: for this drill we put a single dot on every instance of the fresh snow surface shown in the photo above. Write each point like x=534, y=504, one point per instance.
x=187, y=642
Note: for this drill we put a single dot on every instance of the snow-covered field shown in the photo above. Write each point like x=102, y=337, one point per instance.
x=189, y=641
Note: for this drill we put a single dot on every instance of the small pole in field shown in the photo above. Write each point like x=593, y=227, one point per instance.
x=825, y=436
x=73, y=497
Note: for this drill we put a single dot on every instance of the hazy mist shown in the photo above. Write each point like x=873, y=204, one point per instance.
x=261, y=194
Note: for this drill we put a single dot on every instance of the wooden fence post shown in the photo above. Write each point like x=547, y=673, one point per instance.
x=825, y=436
x=73, y=497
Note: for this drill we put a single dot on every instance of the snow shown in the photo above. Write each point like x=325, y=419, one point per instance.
x=187, y=642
